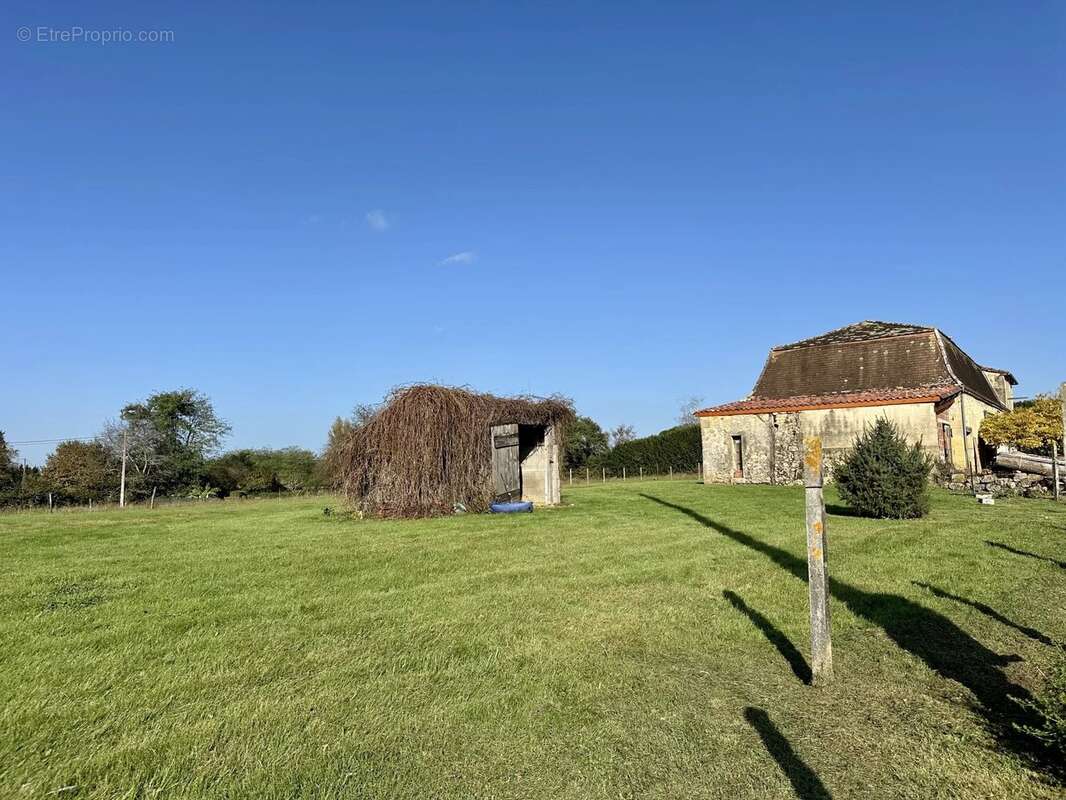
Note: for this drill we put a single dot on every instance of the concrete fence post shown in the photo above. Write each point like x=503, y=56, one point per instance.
x=817, y=558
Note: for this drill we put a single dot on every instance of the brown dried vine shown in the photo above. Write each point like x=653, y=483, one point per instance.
x=427, y=448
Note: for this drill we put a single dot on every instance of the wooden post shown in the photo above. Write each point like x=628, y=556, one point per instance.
x=623, y=473
x=671, y=472
x=604, y=470
x=90, y=504
x=153, y=498
x=586, y=476
x=642, y=473
x=817, y=571
x=571, y=476
x=49, y=502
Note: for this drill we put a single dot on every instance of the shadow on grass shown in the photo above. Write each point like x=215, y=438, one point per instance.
x=990, y=612
x=805, y=782
x=941, y=644
x=775, y=636
x=837, y=510
x=1027, y=554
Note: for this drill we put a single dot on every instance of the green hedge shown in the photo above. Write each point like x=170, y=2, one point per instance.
x=676, y=448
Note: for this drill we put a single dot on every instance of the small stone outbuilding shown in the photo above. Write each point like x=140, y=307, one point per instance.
x=835, y=385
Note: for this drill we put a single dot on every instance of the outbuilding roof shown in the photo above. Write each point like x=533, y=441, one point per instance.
x=882, y=397
x=868, y=363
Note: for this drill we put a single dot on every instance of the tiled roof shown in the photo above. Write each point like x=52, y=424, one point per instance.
x=863, y=365
x=864, y=331
x=807, y=402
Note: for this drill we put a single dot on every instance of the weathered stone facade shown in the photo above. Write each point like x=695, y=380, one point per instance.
x=837, y=385
x=772, y=443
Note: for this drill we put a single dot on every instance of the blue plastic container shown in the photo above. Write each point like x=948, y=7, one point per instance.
x=511, y=508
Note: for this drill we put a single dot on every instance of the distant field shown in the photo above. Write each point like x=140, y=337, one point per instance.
x=648, y=640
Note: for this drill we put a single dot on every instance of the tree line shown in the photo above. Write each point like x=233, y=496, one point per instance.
x=678, y=448
x=170, y=444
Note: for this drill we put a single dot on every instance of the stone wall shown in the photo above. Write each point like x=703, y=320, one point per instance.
x=773, y=443
x=1001, y=483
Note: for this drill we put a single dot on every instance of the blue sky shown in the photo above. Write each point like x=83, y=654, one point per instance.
x=295, y=207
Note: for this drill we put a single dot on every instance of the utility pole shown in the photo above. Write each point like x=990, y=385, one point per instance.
x=122, y=480
x=817, y=569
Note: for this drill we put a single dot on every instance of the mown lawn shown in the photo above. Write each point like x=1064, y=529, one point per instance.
x=649, y=640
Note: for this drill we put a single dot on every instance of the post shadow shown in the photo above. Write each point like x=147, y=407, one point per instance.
x=988, y=611
x=1017, y=552
x=941, y=644
x=805, y=782
x=774, y=635
x=838, y=510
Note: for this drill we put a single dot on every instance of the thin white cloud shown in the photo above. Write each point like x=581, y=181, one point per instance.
x=465, y=257
x=377, y=220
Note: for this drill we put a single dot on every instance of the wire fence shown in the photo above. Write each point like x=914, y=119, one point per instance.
x=589, y=476
x=148, y=504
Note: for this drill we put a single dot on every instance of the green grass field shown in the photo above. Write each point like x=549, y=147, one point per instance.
x=647, y=640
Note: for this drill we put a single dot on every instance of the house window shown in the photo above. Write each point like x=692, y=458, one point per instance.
x=738, y=457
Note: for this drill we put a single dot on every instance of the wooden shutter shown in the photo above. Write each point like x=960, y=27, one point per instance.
x=506, y=482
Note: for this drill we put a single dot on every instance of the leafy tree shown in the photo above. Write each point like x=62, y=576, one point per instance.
x=1032, y=427
x=8, y=468
x=254, y=471
x=622, y=434
x=168, y=438
x=584, y=440
x=81, y=471
x=8, y=454
x=332, y=461
x=883, y=476
x=295, y=469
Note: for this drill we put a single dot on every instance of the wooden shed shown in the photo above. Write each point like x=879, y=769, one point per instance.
x=430, y=450
x=525, y=463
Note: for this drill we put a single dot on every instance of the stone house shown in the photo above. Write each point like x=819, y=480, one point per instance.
x=835, y=385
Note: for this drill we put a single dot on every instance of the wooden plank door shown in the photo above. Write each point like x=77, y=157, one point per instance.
x=506, y=480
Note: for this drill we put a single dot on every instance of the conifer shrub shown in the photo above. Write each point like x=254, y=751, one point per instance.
x=883, y=476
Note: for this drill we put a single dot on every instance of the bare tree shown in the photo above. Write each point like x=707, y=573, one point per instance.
x=689, y=406
x=622, y=434
x=143, y=444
